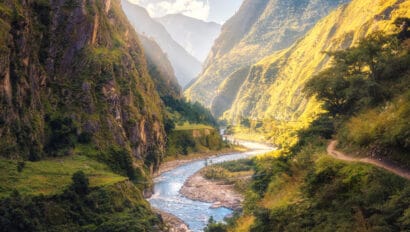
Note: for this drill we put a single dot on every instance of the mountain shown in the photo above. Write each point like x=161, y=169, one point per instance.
x=272, y=89
x=160, y=69
x=258, y=29
x=196, y=36
x=186, y=67
x=69, y=62
x=81, y=121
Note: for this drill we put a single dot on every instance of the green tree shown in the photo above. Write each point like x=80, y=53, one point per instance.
x=80, y=183
x=214, y=226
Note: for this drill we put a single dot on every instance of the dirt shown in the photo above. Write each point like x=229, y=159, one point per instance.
x=216, y=192
x=378, y=162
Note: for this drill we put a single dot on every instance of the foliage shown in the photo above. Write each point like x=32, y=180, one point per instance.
x=115, y=208
x=80, y=183
x=383, y=131
x=236, y=173
x=191, y=112
x=267, y=170
x=358, y=76
x=366, y=94
x=182, y=142
x=120, y=161
x=62, y=134
x=214, y=226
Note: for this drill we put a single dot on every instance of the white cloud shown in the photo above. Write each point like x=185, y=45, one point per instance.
x=194, y=8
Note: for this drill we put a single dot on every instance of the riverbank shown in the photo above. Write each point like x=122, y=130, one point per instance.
x=172, y=223
x=216, y=192
x=174, y=162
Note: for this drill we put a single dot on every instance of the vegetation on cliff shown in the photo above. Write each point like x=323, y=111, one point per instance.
x=76, y=95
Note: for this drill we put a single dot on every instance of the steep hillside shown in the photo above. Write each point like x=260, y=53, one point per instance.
x=314, y=185
x=196, y=36
x=81, y=123
x=160, y=69
x=272, y=89
x=258, y=29
x=186, y=67
x=72, y=70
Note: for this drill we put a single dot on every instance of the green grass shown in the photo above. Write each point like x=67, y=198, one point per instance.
x=52, y=176
x=189, y=126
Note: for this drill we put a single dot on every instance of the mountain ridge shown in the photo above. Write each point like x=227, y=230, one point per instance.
x=186, y=67
x=265, y=27
x=195, y=35
x=272, y=90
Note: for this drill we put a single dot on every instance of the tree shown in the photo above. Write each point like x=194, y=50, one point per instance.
x=213, y=226
x=80, y=183
x=355, y=79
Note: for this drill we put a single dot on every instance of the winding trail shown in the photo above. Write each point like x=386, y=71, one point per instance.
x=331, y=150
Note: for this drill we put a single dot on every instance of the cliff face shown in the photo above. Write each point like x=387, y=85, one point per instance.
x=258, y=29
x=186, y=67
x=70, y=71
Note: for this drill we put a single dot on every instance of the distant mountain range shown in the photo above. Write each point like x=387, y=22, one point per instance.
x=196, y=36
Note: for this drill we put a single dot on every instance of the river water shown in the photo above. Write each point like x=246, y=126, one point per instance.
x=194, y=213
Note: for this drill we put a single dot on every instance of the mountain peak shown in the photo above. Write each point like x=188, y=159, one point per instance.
x=195, y=35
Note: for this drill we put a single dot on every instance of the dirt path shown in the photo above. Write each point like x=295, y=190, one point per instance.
x=215, y=192
x=331, y=150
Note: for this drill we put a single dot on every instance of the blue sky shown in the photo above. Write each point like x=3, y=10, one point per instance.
x=209, y=10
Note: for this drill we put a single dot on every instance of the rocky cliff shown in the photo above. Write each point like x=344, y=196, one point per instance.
x=74, y=71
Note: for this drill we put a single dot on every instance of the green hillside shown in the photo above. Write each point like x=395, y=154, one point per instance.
x=305, y=187
x=271, y=92
x=258, y=29
x=76, y=101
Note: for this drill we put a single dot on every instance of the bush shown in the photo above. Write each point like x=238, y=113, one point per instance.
x=80, y=183
x=120, y=161
x=20, y=166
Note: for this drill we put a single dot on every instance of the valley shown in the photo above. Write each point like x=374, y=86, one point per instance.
x=147, y=115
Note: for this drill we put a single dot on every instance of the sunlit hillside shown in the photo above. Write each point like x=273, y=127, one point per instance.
x=258, y=29
x=272, y=91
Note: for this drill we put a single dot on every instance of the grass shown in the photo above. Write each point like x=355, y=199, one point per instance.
x=236, y=172
x=243, y=224
x=52, y=176
x=189, y=126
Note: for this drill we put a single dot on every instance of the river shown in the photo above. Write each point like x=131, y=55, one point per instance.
x=194, y=213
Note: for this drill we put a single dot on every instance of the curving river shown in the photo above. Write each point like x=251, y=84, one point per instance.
x=194, y=213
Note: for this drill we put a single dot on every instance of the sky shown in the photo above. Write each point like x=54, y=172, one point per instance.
x=208, y=10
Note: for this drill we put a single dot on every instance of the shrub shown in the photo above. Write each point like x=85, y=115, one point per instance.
x=80, y=183
x=20, y=166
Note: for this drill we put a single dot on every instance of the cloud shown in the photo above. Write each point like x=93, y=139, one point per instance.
x=193, y=8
